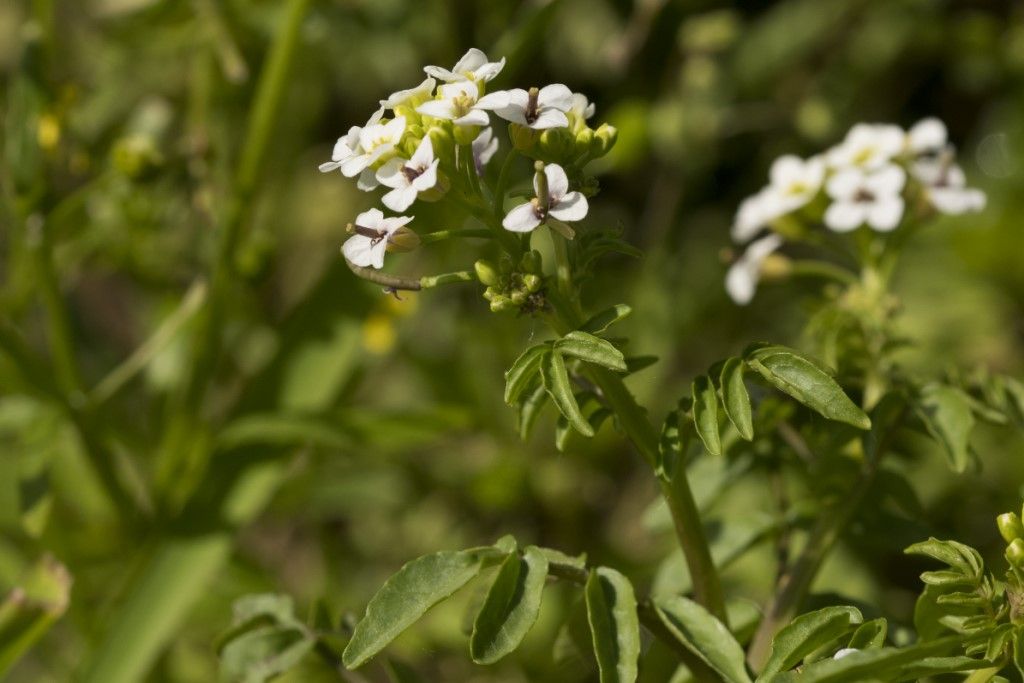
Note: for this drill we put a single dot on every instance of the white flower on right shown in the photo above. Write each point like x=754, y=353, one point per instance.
x=927, y=136
x=372, y=231
x=945, y=186
x=868, y=146
x=408, y=178
x=581, y=108
x=473, y=66
x=559, y=203
x=539, y=109
x=484, y=147
x=744, y=274
x=861, y=197
x=459, y=103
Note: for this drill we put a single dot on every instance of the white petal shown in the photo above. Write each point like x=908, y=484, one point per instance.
x=424, y=154
x=888, y=180
x=353, y=166
x=571, y=207
x=558, y=182
x=493, y=100
x=441, y=74
x=786, y=170
x=889, y=140
x=927, y=135
x=749, y=218
x=555, y=96
x=522, y=218
x=439, y=109
x=371, y=218
x=400, y=198
x=393, y=129
x=460, y=89
x=361, y=251
x=956, y=201
x=390, y=174
x=428, y=178
x=741, y=280
x=471, y=61
x=549, y=118
x=390, y=225
x=367, y=180
x=885, y=214
x=484, y=147
x=329, y=166
x=845, y=183
x=474, y=117
x=490, y=70
x=844, y=216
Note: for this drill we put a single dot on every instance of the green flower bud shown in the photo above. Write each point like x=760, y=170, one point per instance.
x=502, y=303
x=464, y=135
x=441, y=139
x=486, y=273
x=556, y=144
x=605, y=136
x=523, y=138
x=1010, y=527
x=584, y=140
x=532, y=282
x=518, y=297
x=403, y=239
x=1015, y=553
x=530, y=262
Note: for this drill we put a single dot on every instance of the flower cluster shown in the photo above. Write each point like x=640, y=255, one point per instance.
x=437, y=138
x=867, y=180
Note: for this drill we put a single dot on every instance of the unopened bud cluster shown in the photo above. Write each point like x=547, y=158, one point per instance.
x=513, y=286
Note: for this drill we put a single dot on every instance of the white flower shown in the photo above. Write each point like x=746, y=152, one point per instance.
x=755, y=212
x=868, y=146
x=794, y=183
x=743, y=276
x=927, y=136
x=361, y=147
x=559, y=203
x=581, y=108
x=409, y=178
x=538, y=109
x=421, y=92
x=484, y=147
x=866, y=197
x=472, y=67
x=946, y=186
x=458, y=103
x=372, y=231
x=845, y=652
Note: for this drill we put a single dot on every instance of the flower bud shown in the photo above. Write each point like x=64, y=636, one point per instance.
x=605, y=138
x=1010, y=527
x=518, y=297
x=441, y=139
x=1015, y=553
x=556, y=144
x=532, y=282
x=464, y=135
x=502, y=303
x=584, y=140
x=530, y=262
x=403, y=239
x=523, y=138
x=486, y=273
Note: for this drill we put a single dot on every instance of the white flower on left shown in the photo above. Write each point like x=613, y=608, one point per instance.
x=793, y=183
x=361, y=147
x=372, y=231
x=861, y=197
x=560, y=203
x=868, y=146
x=473, y=66
x=459, y=103
x=744, y=274
x=408, y=178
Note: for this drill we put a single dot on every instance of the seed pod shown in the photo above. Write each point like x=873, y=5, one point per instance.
x=1010, y=527
x=403, y=239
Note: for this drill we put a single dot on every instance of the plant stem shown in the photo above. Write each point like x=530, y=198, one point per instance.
x=441, y=235
x=707, y=587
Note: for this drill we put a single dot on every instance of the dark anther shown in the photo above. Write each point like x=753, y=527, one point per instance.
x=411, y=173
x=375, y=235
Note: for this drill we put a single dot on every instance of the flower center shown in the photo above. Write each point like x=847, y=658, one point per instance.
x=863, y=196
x=532, y=110
x=411, y=173
x=375, y=235
x=462, y=104
x=538, y=208
x=863, y=155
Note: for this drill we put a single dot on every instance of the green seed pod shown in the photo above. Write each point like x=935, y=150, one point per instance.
x=1015, y=553
x=1010, y=527
x=487, y=273
x=403, y=239
x=532, y=282
x=530, y=263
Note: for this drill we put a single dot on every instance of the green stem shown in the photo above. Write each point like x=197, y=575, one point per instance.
x=563, y=269
x=441, y=235
x=499, y=188
x=428, y=281
x=62, y=346
x=823, y=269
x=707, y=587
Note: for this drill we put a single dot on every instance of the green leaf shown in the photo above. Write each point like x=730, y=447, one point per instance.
x=705, y=636
x=529, y=409
x=705, y=414
x=960, y=557
x=869, y=635
x=887, y=665
x=407, y=596
x=946, y=413
x=523, y=370
x=805, y=634
x=591, y=349
x=637, y=363
x=556, y=558
x=614, y=625
x=736, y=399
x=1018, y=650
x=31, y=609
x=264, y=653
x=600, y=322
x=556, y=382
x=511, y=606
x=805, y=381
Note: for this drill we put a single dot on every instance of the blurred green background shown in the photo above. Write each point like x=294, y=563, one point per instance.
x=336, y=433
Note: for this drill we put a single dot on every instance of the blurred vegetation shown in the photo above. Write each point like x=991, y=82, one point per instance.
x=198, y=400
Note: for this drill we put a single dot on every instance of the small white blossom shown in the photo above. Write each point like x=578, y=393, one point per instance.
x=472, y=67
x=537, y=108
x=794, y=183
x=372, y=231
x=408, y=178
x=581, y=108
x=361, y=147
x=755, y=212
x=560, y=203
x=945, y=186
x=868, y=146
x=458, y=103
x=484, y=147
x=744, y=274
x=421, y=92
x=845, y=652
x=927, y=136
x=861, y=197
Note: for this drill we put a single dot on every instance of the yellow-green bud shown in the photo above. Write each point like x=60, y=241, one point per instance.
x=606, y=136
x=584, y=139
x=518, y=297
x=403, y=239
x=555, y=144
x=1015, y=553
x=532, y=282
x=464, y=135
x=1010, y=527
x=502, y=303
x=486, y=273
x=441, y=139
x=523, y=138
x=530, y=262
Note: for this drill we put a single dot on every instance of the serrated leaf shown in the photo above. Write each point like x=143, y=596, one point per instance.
x=511, y=606
x=407, y=596
x=529, y=409
x=736, y=399
x=803, y=380
x=591, y=349
x=960, y=557
x=614, y=625
x=600, y=322
x=556, y=381
x=264, y=653
x=948, y=417
x=705, y=636
x=705, y=414
x=805, y=634
x=637, y=363
x=521, y=375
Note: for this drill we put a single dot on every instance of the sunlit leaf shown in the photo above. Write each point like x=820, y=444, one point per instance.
x=705, y=636
x=511, y=606
x=614, y=625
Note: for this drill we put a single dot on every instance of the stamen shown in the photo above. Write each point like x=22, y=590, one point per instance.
x=375, y=235
x=531, y=112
